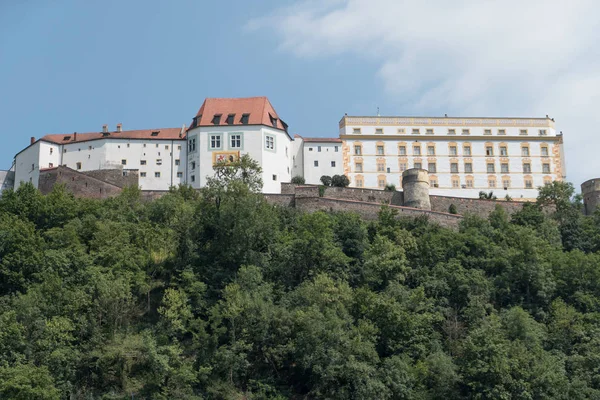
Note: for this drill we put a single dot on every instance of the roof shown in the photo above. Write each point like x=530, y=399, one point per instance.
x=323, y=140
x=76, y=137
x=258, y=110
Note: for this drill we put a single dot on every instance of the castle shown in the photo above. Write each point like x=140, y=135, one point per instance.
x=462, y=156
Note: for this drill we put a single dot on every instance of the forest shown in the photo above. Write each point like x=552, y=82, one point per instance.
x=218, y=295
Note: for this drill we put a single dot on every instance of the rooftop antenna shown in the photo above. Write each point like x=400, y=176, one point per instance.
x=378, y=111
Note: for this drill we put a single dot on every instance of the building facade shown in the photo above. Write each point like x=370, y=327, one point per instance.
x=509, y=156
x=463, y=156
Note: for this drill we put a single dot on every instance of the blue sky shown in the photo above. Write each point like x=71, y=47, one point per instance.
x=71, y=65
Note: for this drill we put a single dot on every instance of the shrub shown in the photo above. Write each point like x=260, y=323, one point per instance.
x=390, y=187
x=452, y=209
x=298, y=180
x=326, y=180
x=340, y=181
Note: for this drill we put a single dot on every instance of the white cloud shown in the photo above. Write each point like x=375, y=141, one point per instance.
x=524, y=57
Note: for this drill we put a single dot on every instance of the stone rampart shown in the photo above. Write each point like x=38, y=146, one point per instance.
x=479, y=207
x=79, y=184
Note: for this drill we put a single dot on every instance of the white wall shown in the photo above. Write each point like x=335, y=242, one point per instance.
x=7, y=180
x=27, y=165
x=324, y=154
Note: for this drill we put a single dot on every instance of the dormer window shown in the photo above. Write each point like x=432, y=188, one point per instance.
x=155, y=133
x=285, y=126
x=67, y=138
x=230, y=119
x=216, y=119
x=245, y=118
x=273, y=121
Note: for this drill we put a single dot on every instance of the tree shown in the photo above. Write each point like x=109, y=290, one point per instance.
x=340, y=181
x=231, y=176
x=326, y=180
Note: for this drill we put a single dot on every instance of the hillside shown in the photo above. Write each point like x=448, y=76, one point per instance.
x=219, y=295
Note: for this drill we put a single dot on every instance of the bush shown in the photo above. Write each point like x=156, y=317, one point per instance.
x=326, y=180
x=390, y=187
x=340, y=181
x=452, y=209
x=322, y=190
x=298, y=180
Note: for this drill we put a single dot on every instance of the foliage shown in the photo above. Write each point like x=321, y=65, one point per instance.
x=390, y=187
x=487, y=196
x=452, y=209
x=218, y=295
x=298, y=180
x=326, y=180
x=340, y=181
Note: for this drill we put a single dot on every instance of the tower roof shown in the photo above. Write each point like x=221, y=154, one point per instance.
x=238, y=111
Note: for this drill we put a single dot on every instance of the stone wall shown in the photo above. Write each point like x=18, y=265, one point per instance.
x=481, y=208
x=118, y=177
x=590, y=190
x=79, y=184
x=282, y=200
x=370, y=211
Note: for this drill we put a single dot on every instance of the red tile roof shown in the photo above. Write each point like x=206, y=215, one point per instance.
x=163, y=133
x=259, y=110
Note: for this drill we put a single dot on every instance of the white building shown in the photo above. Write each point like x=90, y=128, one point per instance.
x=509, y=156
x=225, y=129
x=315, y=157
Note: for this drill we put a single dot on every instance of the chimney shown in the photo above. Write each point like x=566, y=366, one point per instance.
x=74, y=136
x=119, y=127
x=104, y=128
x=32, y=140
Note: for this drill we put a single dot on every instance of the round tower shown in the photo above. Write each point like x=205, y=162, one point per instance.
x=590, y=190
x=415, y=185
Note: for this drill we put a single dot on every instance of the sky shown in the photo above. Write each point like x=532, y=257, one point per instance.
x=71, y=65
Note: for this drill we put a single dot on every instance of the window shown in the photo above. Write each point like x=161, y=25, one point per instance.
x=229, y=119
x=527, y=168
x=177, y=162
x=269, y=142
x=381, y=183
x=487, y=131
x=316, y=163
x=433, y=183
x=431, y=167
x=453, y=151
x=388, y=170
x=193, y=178
x=379, y=131
x=142, y=162
x=503, y=151
x=417, y=150
x=402, y=167
x=157, y=174
x=156, y=145
x=431, y=150
x=359, y=182
x=455, y=183
x=468, y=167
x=159, y=161
x=273, y=121
x=429, y=131
x=310, y=149
x=179, y=174
x=191, y=144
x=123, y=162
x=51, y=150
x=274, y=177
x=380, y=150
x=504, y=168
x=216, y=119
x=506, y=183
x=244, y=119
x=215, y=141
x=451, y=131
x=525, y=151
x=401, y=131
x=335, y=148
x=546, y=168
x=142, y=174
x=193, y=165
x=542, y=132
x=523, y=132
x=544, y=151
x=235, y=141
x=402, y=150
x=489, y=151
x=356, y=130
x=415, y=131
x=547, y=180
x=491, y=168
x=467, y=150
x=528, y=184
x=501, y=131
x=50, y=165
x=359, y=167
x=144, y=144
x=454, y=168
x=155, y=133
x=78, y=165
x=333, y=164
x=380, y=167
x=357, y=150
x=492, y=183
x=179, y=147
x=64, y=150
x=469, y=182
x=418, y=165
x=466, y=132
x=319, y=149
